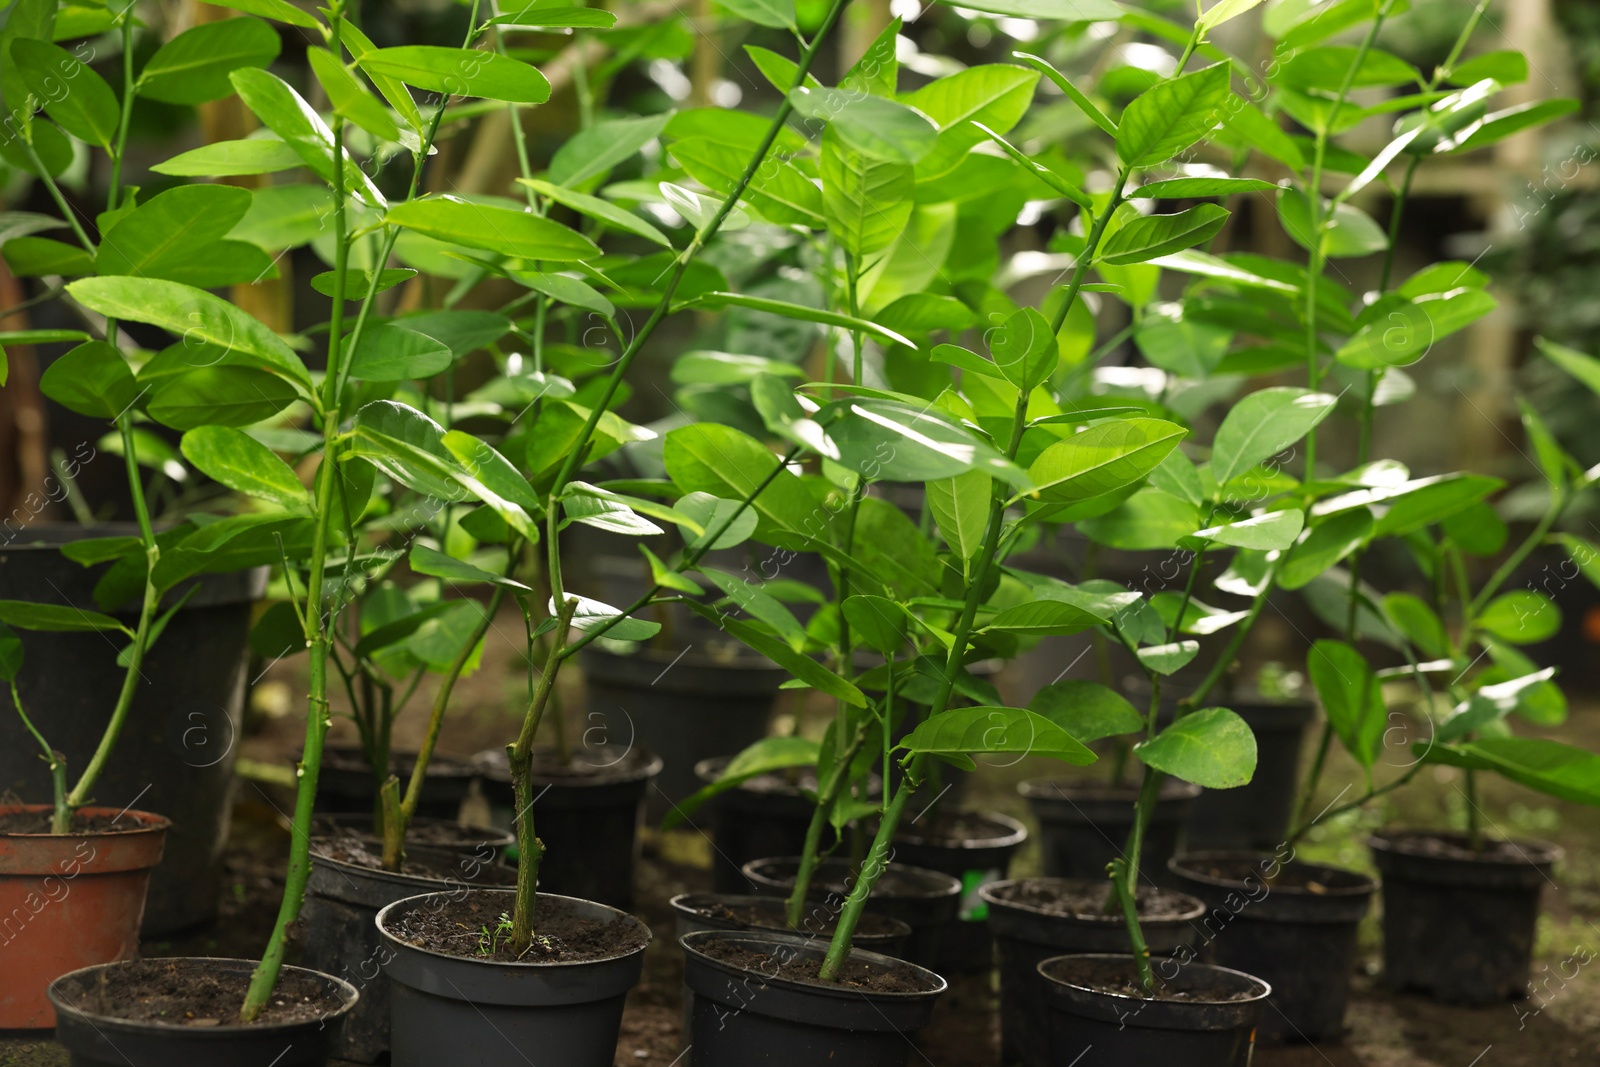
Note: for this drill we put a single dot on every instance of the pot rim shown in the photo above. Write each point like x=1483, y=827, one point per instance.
x=357, y=819
x=380, y=874
x=545, y=965
x=1059, y=788
x=439, y=765
x=490, y=765
x=151, y=823
x=690, y=943
x=1535, y=852
x=1016, y=833
x=347, y=992
x=989, y=892
x=681, y=906
x=1180, y=865
x=952, y=884
x=1263, y=990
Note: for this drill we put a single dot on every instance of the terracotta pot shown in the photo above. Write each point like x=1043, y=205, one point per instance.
x=69, y=901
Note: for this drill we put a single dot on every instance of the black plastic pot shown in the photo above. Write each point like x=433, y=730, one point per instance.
x=982, y=856
x=1296, y=932
x=927, y=901
x=1083, y=825
x=96, y=1040
x=1092, y=1028
x=175, y=755
x=1256, y=815
x=346, y=783
x=468, y=840
x=1459, y=926
x=744, y=1017
x=588, y=819
x=341, y=938
x=460, y=1010
x=765, y=816
x=683, y=707
x=1025, y=935
x=689, y=908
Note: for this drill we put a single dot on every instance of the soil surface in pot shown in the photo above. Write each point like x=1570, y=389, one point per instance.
x=772, y=917
x=38, y=822
x=1117, y=978
x=1089, y=899
x=466, y=927
x=855, y=974
x=445, y=835
x=957, y=828
x=547, y=763
x=1456, y=847
x=891, y=884
x=1290, y=875
x=357, y=853
x=192, y=994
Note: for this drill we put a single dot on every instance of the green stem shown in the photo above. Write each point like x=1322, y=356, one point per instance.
x=114, y=197
x=819, y=821
x=58, y=196
x=1091, y=245
x=1124, y=870
x=61, y=814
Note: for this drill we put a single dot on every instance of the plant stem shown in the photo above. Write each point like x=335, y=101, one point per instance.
x=1090, y=246
x=114, y=197
x=519, y=757
x=61, y=814
x=819, y=820
x=1124, y=870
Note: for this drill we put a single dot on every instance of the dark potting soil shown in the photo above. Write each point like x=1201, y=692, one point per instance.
x=772, y=917
x=1119, y=978
x=891, y=883
x=855, y=974
x=1291, y=876
x=38, y=822
x=467, y=927
x=547, y=763
x=1076, y=899
x=358, y=853
x=431, y=834
x=957, y=828
x=190, y=993
x=1457, y=847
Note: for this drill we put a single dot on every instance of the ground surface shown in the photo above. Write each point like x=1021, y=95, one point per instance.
x=1560, y=1025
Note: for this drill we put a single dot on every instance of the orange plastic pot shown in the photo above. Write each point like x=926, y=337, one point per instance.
x=69, y=901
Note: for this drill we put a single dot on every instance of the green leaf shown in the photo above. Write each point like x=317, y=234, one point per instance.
x=35, y=257
x=224, y=395
x=778, y=190
x=892, y=441
x=77, y=98
x=1221, y=12
x=778, y=14
x=1326, y=545
x=1025, y=349
x=546, y=16
x=1521, y=617
x=349, y=97
x=390, y=353
x=358, y=282
x=1583, y=367
x=10, y=654
x=1103, y=458
x=257, y=155
x=243, y=464
x=710, y=513
x=1212, y=747
x=57, y=618
x=1328, y=69
x=460, y=72
x=1551, y=767
x=1506, y=67
x=1193, y=188
x=1054, y=10
x=982, y=101
x=497, y=229
x=278, y=10
x=436, y=564
x=1169, y=658
x=592, y=615
x=763, y=757
x=597, y=208
x=717, y=301
x=490, y=477
x=179, y=236
x=1412, y=616
x=287, y=114
x=962, y=731
x=1088, y=711
x=1073, y=93
x=604, y=510
x=1171, y=116
x=1153, y=236
x=196, y=316
x=722, y=461
x=872, y=125
x=1274, y=531
x=193, y=67
x=1502, y=124
x=960, y=506
x=92, y=379
x=867, y=202
x=1263, y=424
x=878, y=622
x=1149, y=519
x=666, y=577
x=1043, y=618
x=804, y=668
x=1347, y=231
x=1351, y=696
x=1401, y=332
x=596, y=150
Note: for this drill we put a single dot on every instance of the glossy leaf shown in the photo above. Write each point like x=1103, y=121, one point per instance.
x=243, y=464
x=179, y=236
x=1153, y=236
x=1103, y=458
x=288, y=115
x=1171, y=116
x=879, y=623
x=960, y=506
x=1263, y=424
x=193, y=67
x=257, y=155
x=77, y=98
x=460, y=72
x=1025, y=349
x=1212, y=747
x=390, y=353
x=56, y=618
x=1325, y=546
x=1088, y=711
x=596, y=208
x=1275, y=530
x=1521, y=617
x=92, y=379
x=961, y=732
x=763, y=757
x=220, y=394
x=497, y=229
x=1351, y=698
